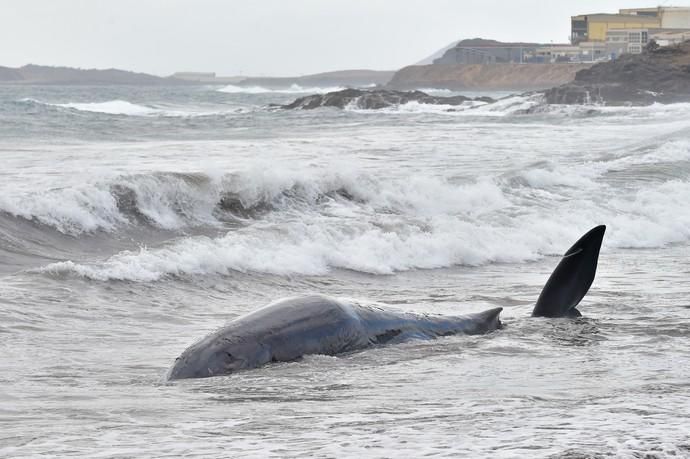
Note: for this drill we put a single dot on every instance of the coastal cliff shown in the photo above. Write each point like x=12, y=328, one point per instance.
x=485, y=77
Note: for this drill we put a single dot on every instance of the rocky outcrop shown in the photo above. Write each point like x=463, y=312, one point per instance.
x=375, y=99
x=485, y=77
x=661, y=75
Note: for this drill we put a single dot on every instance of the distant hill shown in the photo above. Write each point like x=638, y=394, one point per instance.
x=430, y=59
x=442, y=71
x=41, y=74
x=485, y=77
x=486, y=43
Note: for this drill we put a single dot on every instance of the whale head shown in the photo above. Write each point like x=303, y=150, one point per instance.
x=217, y=355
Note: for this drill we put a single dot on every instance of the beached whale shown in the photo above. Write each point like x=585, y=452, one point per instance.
x=291, y=328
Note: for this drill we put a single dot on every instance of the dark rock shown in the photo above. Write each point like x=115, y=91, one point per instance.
x=375, y=99
x=658, y=75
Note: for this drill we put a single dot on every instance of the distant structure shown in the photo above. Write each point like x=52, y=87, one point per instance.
x=593, y=38
x=670, y=17
x=630, y=30
x=481, y=51
x=594, y=27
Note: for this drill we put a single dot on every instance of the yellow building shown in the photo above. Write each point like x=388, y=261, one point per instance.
x=593, y=27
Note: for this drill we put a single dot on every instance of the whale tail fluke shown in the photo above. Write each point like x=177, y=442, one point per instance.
x=572, y=278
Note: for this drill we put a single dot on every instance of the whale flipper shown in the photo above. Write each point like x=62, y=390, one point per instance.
x=572, y=278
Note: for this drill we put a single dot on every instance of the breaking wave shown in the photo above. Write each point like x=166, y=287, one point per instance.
x=175, y=201
x=292, y=89
x=534, y=104
x=125, y=108
x=345, y=237
x=311, y=221
x=113, y=107
x=301, y=248
x=513, y=105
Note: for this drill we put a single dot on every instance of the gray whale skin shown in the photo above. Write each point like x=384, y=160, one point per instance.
x=294, y=327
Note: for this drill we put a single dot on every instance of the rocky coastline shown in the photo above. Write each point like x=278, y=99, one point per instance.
x=373, y=99
x=658, y=75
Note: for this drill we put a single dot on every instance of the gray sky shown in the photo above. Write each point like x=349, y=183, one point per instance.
x=270, y=37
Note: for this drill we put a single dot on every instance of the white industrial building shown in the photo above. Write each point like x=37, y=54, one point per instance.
x=633, y=41
x=670, y=17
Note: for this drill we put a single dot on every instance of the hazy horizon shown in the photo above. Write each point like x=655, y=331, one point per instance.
x=269, y=37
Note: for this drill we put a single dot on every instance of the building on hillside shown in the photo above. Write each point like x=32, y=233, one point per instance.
x=461, y=55
x=483, y=55
x=554, y=53
x=592, y=51
x=480, y=51
x=652, y=12
x=670, y=17
x=626, y=41
x=588, y=51
x=593, y=27
x=633, y=41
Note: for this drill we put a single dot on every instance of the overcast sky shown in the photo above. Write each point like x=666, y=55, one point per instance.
x=270, y=37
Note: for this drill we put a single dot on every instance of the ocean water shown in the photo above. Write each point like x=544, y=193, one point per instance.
x=135, y=220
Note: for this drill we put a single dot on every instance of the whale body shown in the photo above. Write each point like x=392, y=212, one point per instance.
x=291, y=328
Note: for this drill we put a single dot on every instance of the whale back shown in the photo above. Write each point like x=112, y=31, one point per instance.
x=572, y=278
x=282, y=331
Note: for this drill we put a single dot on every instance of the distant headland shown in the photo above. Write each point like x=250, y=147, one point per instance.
x=42, y=74
x=48, y=75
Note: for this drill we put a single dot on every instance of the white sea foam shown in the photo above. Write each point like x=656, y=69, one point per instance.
x=126, y=108
x=311, y=249
x=654, y=217
x=415, y=107
x=509, y=105
x=479, y=230
x=70, y=211
x=501, y=108
x=292, y=89
x=311, y=220
x=112, y=107
x=169, y=201
x=174, y=201
x=586, y=174
x=438, y=91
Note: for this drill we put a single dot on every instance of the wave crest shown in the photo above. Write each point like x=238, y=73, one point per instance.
x=175, y=201
x=292, y=89
x=119, y=107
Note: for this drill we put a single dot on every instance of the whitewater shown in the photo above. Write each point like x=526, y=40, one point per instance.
x=135, y=220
